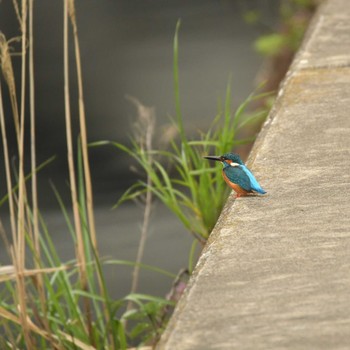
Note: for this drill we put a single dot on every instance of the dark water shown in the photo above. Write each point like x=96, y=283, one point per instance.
x=127, y=49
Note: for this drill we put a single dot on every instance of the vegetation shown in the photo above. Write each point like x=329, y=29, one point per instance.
x=49, y=304
x=278, y=44
x=179, y=176
x=46, y=303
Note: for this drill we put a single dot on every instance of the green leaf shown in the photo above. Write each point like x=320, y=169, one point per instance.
x=269, y=45
x=252, y=17
x=139, y=329
x=137, y=297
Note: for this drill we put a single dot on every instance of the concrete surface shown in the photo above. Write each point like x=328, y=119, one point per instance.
x=275, y=273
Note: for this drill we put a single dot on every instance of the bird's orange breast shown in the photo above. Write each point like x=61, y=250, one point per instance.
x=238, y=189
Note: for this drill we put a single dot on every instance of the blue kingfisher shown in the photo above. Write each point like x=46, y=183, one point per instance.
x=237, y=175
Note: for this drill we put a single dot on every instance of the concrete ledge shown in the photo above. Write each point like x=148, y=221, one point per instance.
x=275, y=273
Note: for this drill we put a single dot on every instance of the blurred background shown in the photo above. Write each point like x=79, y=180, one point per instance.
x=126, y=49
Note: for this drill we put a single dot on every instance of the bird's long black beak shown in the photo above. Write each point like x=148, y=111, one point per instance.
x=213, y=158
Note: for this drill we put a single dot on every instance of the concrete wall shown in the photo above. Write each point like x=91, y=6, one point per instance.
x=275, y=273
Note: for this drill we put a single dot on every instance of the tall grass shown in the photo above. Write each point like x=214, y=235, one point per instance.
x=46, y=303
x=179, y=176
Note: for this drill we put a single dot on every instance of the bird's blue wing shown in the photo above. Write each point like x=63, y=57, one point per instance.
x=238, y=176
x=255, y=186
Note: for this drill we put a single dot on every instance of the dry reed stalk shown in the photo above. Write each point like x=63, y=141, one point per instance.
x=8, y=272
x=82, y=121
x=144, y=129
x=7, y=71
x=80, y=252
x=19, y=250
x=32, y=133
x=7, y=165
x=84, y=145
x=36, y=235
x=16, y=7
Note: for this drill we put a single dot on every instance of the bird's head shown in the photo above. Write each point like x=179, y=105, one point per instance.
x=227, y=159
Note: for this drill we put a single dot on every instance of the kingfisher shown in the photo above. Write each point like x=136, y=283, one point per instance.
x=237, y=175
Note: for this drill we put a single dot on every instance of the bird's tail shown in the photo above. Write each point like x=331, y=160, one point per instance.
x=253, y=182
